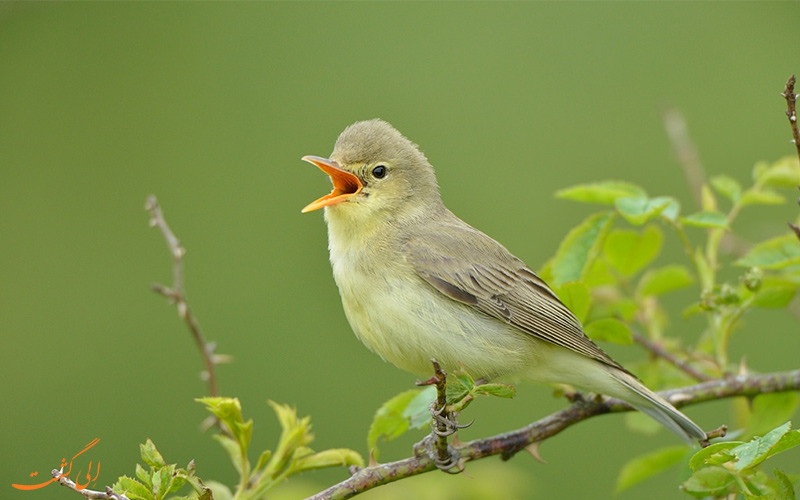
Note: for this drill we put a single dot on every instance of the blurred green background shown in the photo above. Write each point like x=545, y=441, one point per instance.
x=210, y=106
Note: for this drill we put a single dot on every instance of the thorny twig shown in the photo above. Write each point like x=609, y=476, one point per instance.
x=177, y=295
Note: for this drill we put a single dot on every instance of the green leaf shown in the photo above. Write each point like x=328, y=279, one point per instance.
x=143, y=476
x=498, y=390
x=761, y=196
x=220, y=491
x=775, y=293
x=232, y=448
x=418, y=411
x=785, y=486
x=648, y=465
x=229, y=411
x=640, y=209
x=162, y=481
x=776, y=253
x=150, y=455
x=710, y=481
x=132, y=489
x=575, y=295
x=330, y=458
x=783, y=173
x=580, y=248
x=629, y=252
x=714, y=454
x=610, y=330
x=390, y=421
x=672, y=210
x=263, y=459
x=770, y=410
x=663, y=280
x=605, y=193
x=706, y=219
x=757, y=450
x=727, y=187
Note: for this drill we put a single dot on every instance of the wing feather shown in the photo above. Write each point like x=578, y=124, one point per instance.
x=467, y=266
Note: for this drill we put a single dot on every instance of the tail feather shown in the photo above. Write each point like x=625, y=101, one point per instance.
x=660, y=410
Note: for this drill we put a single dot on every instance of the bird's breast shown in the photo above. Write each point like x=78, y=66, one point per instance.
x=399, y=316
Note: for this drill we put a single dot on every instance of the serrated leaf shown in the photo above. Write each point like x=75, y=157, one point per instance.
x=143, y=476
x=640, y=209
x=390, y=421
x=776, y=253
x=575, y=295
x=757, y=450
x=498, y=390
x=714, y=454
x=150, y=454
x=783, y=173
x=162, y=481
x=579, y=248
x=610, y=330
x=629, y=252
x=604, y=193
x=706, y=219
x=330, y=458
x=710, y=481
x=727, y=187
x=132, y=488
x=663, y=280
x=768, y=411
x=648, y=465
x=761, y=196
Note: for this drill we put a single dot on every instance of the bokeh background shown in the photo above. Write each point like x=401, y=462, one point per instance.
x=210, y=106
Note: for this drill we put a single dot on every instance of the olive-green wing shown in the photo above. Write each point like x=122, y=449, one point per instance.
x=470, y=267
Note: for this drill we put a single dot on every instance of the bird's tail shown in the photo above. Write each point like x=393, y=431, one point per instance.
x=658, y=408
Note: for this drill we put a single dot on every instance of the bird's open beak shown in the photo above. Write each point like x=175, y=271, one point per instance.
x=345, y=184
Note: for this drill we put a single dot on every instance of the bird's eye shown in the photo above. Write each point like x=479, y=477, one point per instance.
x=379, y=172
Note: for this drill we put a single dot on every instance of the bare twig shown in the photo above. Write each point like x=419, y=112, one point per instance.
x=508, y=444
x=92, y=494
x=693, y=170
x=177, y=295
x=660, y=352
x=791, y=111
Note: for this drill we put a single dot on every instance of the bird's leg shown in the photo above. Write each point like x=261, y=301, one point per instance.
x=443, y=424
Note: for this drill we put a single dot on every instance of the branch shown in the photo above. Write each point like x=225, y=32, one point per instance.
x=693, y=170
x=508, y=444
x=660, y=352
x=791, y=111
x=92, y=494
x=177, y=296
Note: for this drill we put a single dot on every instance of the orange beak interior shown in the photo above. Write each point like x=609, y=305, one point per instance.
x=345, y=184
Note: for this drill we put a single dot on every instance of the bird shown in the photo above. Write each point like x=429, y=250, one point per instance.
x=416, y=282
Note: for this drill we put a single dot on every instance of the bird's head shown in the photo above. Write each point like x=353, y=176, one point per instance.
x=375, y=172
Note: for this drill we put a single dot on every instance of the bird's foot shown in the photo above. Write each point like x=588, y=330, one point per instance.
x=444, y=456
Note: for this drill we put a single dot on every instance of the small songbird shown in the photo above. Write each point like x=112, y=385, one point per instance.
x=418, y=283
